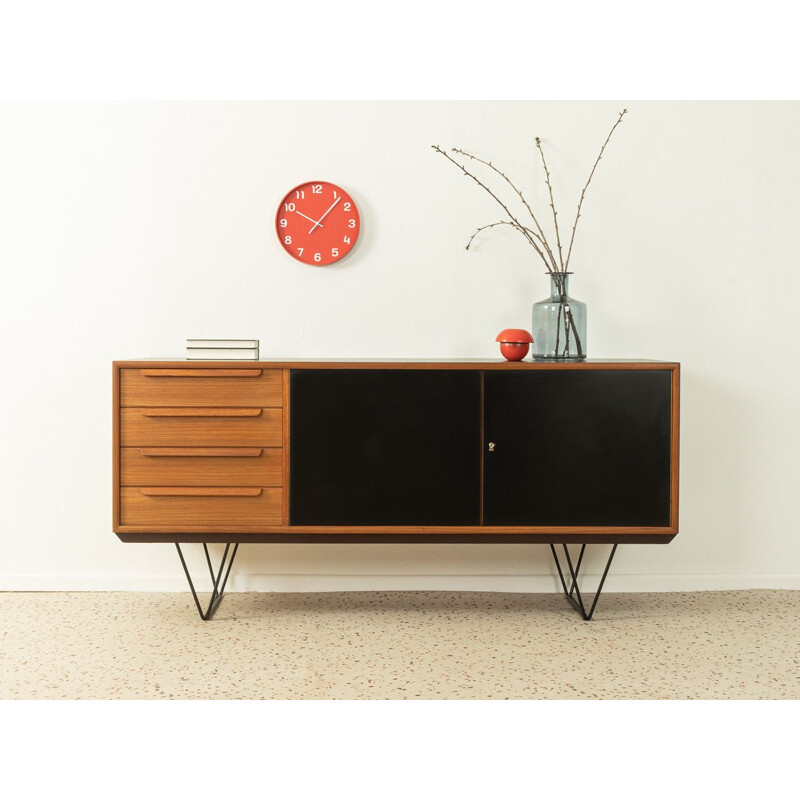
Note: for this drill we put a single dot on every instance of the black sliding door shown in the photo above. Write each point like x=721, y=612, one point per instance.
x=385, y=447
x=577, y=447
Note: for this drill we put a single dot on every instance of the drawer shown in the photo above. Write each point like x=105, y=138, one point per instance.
x=187, y=386
x=187, y=506
x=201, y=427
x=201, y=466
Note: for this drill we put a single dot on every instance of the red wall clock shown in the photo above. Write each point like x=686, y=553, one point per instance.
x=317, y=223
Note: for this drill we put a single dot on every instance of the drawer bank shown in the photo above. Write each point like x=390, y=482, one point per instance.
x=396, y=451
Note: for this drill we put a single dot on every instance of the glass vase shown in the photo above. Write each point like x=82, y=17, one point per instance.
x=559, y=324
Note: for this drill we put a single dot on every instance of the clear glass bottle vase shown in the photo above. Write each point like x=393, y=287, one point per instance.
x=559, y=324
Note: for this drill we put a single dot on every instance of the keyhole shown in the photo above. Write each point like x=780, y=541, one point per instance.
x=491, y=447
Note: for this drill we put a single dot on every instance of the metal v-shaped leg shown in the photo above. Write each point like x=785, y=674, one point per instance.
x=573, y=594
x=218, y=590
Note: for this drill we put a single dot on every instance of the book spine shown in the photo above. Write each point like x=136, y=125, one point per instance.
x=222, y=354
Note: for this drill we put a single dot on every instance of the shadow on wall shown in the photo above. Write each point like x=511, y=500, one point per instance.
x=719, y=463
x=356, y=564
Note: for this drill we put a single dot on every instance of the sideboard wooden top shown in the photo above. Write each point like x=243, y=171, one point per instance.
x=400, y=363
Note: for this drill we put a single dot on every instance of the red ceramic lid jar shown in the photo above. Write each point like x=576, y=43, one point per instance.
x=514, y=343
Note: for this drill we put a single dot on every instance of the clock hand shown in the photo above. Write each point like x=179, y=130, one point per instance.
x=325, y=214
x=308, y=218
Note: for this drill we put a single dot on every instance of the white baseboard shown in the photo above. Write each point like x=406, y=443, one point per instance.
x=57, y=582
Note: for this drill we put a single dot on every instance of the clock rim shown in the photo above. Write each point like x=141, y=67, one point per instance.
x=278, y=230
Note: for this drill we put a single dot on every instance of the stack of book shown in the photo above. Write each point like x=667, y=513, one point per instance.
x=222, y=349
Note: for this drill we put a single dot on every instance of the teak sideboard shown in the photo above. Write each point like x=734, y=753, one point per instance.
x=396, y=451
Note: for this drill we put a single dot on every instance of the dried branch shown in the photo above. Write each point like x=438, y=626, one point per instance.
x=543, y=249
x=541, y=237
x=520, y=228
x=591, y=174
x=552, y=202
x=513, y=219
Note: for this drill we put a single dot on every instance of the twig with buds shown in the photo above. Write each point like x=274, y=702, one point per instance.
x=540, y=236
x=552, y=202
x=514, y=221
x=591, y=175
x=520, y=228
x=537, y=238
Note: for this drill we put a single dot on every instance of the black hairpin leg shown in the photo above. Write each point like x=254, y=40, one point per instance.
x=216, y=594
x=573, y=594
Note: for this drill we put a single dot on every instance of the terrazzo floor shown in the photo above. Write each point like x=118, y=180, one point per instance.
x=400, y=645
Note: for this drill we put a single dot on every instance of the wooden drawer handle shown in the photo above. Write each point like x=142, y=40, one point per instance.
x=201, y=491
x=201, y=373
x=203, y=452
x=201, y=412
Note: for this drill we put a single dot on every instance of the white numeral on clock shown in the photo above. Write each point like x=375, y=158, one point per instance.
x=347, y=240
x=334, y=252
x=300, y=250
x=316, y=188
x=317, y=257
x=289, y=206
x=347, y=206
x=351, y=223
x=301, y=195
x=284, y=223
x=287, y=239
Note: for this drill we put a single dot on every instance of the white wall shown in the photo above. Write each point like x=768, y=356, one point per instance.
x=128, y=227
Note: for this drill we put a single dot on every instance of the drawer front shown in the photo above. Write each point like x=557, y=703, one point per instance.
x=201, y=466
x=200, y=506
x=201, y=387
x=201, y=427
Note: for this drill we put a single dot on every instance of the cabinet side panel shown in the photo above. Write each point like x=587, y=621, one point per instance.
x=675, y=454
x=115, y=455
x=286, y=431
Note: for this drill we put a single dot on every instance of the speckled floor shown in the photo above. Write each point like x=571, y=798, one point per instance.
x=400, y=645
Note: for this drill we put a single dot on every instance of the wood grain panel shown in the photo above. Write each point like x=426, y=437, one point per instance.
x=275, y=534
x=474, y=533
x=201, y=466
x=137, y=508
x=137, y=430
x=405, y=363
x=154, y=387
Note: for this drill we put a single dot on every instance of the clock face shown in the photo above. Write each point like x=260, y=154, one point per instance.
x=317, y=223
